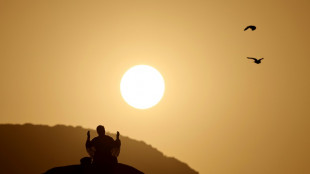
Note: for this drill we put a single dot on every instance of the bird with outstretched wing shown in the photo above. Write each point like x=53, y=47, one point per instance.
x=257, y=61
x=252, y=27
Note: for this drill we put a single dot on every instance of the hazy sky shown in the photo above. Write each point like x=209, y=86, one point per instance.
x=61, y=62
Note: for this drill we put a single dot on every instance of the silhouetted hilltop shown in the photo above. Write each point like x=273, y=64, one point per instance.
x=33, y=149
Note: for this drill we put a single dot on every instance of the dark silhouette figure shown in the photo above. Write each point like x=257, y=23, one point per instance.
x=83, y=168
x=85, y=165
x=104, y=150
x=257, y=61
x=252, y=27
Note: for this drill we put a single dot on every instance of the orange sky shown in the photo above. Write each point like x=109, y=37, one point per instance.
x=61, y=62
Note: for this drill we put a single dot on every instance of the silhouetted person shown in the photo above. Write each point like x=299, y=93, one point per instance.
x=86, y=165
x=104, y=150
x=85, y=161
x=257, y=61
x=252, y=27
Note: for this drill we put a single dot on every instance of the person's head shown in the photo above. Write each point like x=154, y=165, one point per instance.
x=86, y=161
x=100, y=130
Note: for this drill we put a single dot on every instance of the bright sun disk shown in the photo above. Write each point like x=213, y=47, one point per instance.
x=142, y=86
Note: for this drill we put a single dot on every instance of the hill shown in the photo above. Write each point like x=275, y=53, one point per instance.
x=33, y=149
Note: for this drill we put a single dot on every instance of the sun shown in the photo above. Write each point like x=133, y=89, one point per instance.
x=142, y=86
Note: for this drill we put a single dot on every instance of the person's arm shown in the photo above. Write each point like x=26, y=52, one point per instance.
x=89, y=147
x=117, y=146
x=117, y=141
x=88, y=143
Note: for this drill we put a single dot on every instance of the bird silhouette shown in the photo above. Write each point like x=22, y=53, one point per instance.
x=257, y=61
x=252, y=27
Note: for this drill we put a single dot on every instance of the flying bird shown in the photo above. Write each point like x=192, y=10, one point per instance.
x=252, y=27
x=257, y=61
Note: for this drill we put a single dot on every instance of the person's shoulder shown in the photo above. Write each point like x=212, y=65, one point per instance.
x=108, y=137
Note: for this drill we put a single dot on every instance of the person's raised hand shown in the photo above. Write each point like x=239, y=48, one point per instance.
x=88, y=134
x=117, y=135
